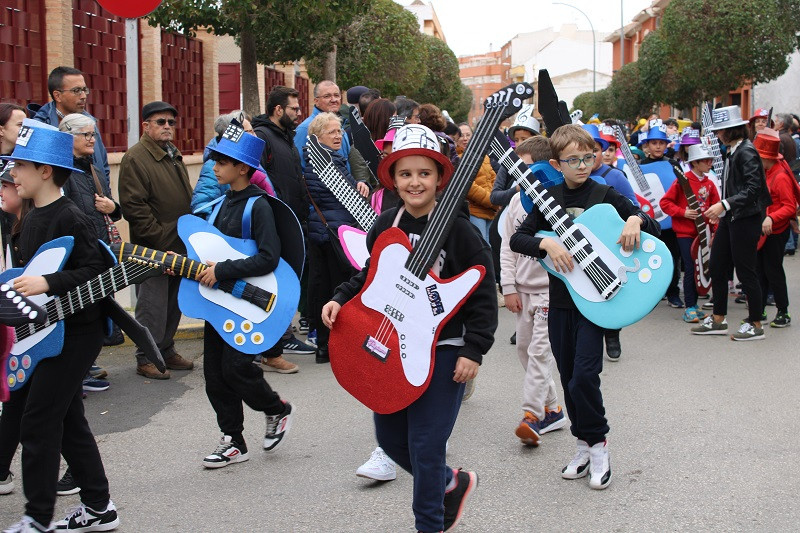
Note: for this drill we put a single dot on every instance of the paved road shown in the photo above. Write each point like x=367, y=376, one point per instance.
x=704, y=437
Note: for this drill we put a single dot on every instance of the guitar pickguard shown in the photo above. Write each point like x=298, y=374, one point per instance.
x=645, y=272
x=26, y=354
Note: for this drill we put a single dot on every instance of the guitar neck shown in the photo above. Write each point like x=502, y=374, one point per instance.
x=86, y=294
x=638, y=175
x=182, y=266
x=443, y=216
x=713, y=142
x=578, y=246
x=355, y=204
x=691, y=199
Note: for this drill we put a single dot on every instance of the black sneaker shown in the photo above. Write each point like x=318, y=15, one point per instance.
x=277, y=427
x=456, y=499
x=613, y=348
x=514, y=339
x=782, y=320
x=770, y=300
x=228, y=452
x=83, y=519
x=303, y=325
x=66, y=485
x=323, y=356
x=294, y=346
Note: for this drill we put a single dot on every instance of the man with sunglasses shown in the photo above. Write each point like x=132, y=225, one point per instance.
x=69, y=92
x=154, y=191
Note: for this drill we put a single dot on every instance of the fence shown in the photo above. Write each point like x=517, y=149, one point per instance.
x=182, y=86
x=22, y=52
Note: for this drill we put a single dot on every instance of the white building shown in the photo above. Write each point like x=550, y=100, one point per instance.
x=782, y=94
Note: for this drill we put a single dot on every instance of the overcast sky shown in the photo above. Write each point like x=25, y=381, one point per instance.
x=473, y=26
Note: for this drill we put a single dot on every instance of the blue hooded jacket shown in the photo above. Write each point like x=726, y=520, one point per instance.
x=47, y=114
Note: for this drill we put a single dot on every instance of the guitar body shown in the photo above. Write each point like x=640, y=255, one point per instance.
x=383, y=344
x=659, y=177
x=646, y=206
x=701, y=266
x=241, y=324
x=646, y=272
x=354, y=244
x=26, y=354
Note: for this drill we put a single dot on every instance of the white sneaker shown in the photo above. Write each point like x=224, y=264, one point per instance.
x=278, y=427
x=82, y=519
x=599, y=466
x=579, y=466
x=7, y=484
x=27, y=525
x=379, y=467
x=228, y=452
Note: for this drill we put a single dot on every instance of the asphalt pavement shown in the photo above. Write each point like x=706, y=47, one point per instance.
x=703, y=437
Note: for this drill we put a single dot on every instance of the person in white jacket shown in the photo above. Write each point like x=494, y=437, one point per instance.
x=526, y=294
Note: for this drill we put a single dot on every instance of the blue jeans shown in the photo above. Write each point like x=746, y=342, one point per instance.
x=483, y=226
x=791, y=244
x=416, y=439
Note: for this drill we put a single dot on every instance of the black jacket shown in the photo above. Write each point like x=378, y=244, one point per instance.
x=745, y=188
x=262, y=230
x=281, y=160
x=476, y=321
x=80, y=189
x=334, y=212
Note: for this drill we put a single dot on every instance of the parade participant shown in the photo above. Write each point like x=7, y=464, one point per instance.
x=689, y=137
x=230, y=376
x=739, y=215
x=525, y=293
x=154, y=191
x=326, y=271
x=675, y=204
x=759, y=121
x=69, y=92
x=53, y=419
x=655, y=144
x=538, y=149
x=415, y=437
x=576, y=342
x=525, y=126
x=610, y=154
x=783, y=190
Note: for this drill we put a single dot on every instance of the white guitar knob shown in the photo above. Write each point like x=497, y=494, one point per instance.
x=649, y=246
x=645, y=275
x=654, y=262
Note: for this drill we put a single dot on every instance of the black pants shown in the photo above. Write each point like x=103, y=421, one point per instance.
x=770, y=271
x=671, y=241
x=577, y=346
x=9, y=429
x=54, y=424
x=735, y=245
x=232, y=378
x=325, y=273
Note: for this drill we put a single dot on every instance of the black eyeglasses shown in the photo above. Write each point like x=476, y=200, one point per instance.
x=88, y=135
x=575, y=162
x=76, y=90
x=295, y=108
x=162, y=121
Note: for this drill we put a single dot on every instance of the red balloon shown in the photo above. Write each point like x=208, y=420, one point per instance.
x=130, y=9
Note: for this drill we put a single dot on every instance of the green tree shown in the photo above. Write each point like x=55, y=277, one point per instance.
x=628, y=96
x=591, y=103
x=442, y=84
x=460, y=110
x=267, y=31
x=380, y=48
x=710, y=47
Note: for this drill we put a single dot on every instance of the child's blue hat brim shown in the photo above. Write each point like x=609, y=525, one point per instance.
x=43, y=144
x=240, y=146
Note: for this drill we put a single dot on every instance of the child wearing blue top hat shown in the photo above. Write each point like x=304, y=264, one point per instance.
x=53, y=420
x=231, y=377
x=657, y=142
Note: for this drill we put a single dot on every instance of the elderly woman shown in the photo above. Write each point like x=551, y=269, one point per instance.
x=207, y=188
x=326, y=271
x=89, y=189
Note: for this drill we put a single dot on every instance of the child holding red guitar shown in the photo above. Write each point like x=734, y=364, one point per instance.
x=675, y=204
x=415, y=437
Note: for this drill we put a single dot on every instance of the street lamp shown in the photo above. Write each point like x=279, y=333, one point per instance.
x=594, y=41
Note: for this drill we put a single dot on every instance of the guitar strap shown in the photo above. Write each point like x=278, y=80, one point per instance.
x=247, y=216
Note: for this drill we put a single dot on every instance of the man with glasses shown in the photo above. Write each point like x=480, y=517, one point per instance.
x=69, y=92
x=154, y=191
x=328, y=98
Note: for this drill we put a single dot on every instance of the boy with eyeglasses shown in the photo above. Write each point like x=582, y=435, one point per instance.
x=576, y=342
x=69, y=92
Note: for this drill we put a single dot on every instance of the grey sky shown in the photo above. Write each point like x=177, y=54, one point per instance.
x=471, y=26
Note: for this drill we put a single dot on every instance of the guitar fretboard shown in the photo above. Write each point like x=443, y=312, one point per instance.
x=332, y=178
x=605, y=281
x=699, y=222
x=84, y=295
x=712, y=140
x=638, y=175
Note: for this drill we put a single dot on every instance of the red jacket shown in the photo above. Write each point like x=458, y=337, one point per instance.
x=674, y=203
x=781, y=185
